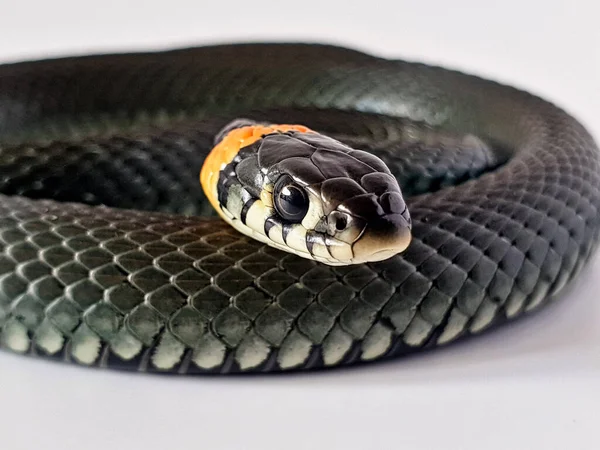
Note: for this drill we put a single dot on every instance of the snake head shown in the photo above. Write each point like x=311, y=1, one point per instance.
x=306, y=193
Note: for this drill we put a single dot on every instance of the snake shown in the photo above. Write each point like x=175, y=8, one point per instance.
x=271, y=207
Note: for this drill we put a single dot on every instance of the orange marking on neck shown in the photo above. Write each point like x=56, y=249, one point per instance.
x=224, y=152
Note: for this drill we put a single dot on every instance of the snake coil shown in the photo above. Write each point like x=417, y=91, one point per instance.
x=106, y=258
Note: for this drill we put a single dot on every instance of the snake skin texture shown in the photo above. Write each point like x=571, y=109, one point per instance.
x=110, y=255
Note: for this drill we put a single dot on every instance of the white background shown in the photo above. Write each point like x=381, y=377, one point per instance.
x=533, y=385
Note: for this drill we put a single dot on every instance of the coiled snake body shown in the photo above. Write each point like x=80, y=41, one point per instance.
x=106, y=257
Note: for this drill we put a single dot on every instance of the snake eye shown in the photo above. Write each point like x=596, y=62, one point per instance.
x=290, y=200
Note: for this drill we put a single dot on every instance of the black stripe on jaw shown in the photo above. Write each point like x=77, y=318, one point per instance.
x=269, y=223
x=287, y=228
x=245, y=210
x=313, y=238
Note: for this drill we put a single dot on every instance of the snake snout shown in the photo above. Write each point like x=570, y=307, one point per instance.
x=383, y=237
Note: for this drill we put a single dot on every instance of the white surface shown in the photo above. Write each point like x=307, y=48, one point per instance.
x=533, y=385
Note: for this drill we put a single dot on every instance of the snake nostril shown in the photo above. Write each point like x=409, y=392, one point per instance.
x=341, y=223
x=337, y=222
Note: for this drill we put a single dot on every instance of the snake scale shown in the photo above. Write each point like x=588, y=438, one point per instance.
x=111, y=256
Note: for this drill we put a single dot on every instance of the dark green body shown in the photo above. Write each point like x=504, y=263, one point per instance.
x=504, y=193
